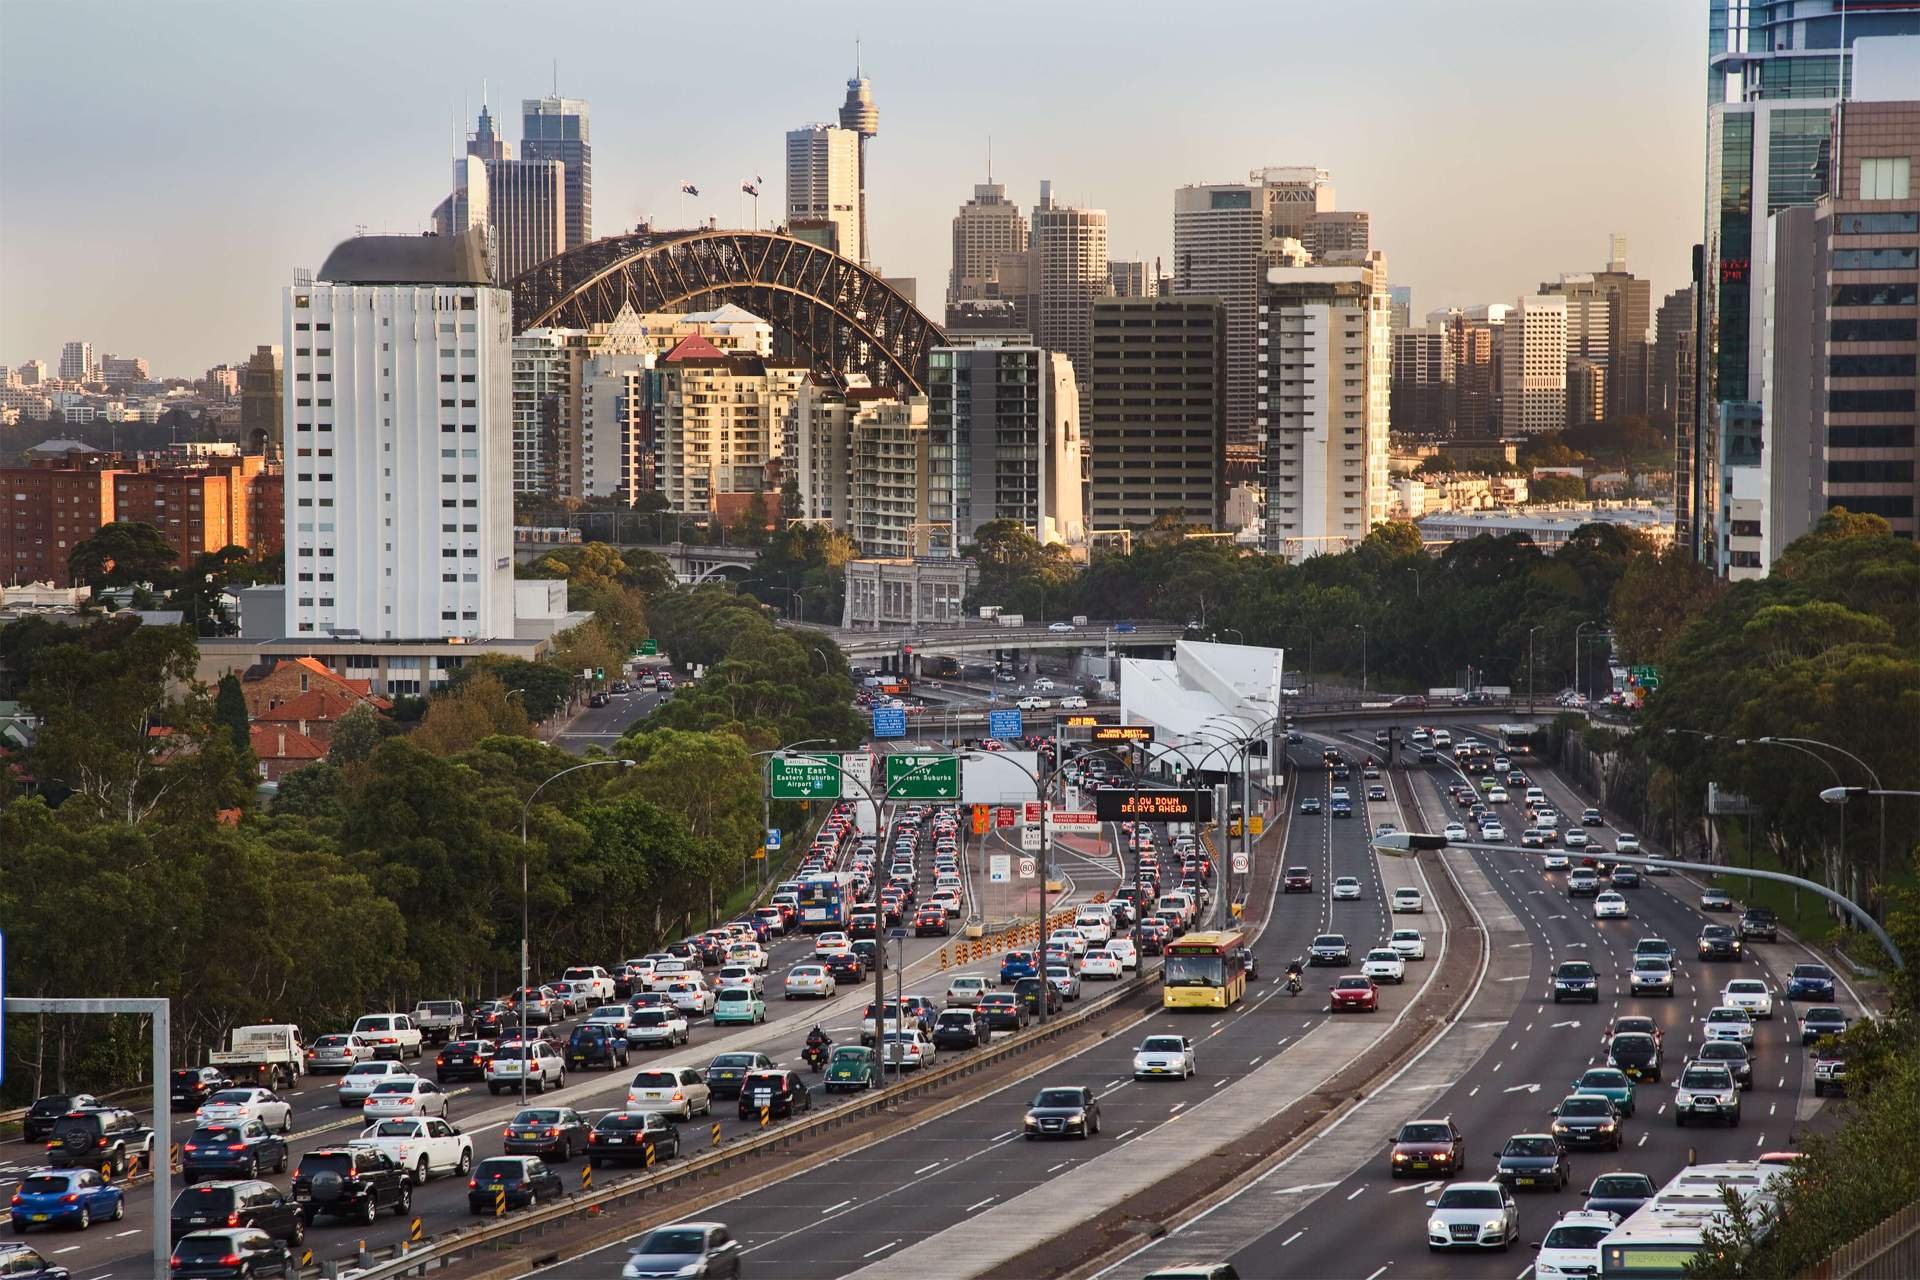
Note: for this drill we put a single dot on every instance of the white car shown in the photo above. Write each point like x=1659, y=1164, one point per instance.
x=1095, y=924
x=1578, y=839
x=739, y=975
x=1610, y=905
x=1572, y=1245
x=1346, y=889
x=1162, y=1056
x=1455, y=831
x=673, y=969
x=599, y=981
x=1493, y=833
x=1032, y=703
x=1100, y=964
x=678, y=1091
x=1726, y=1022
x=693, y=996
x=1384, y=964
x=965, y=991
x=1497, y=795
x=1124, y=950
x=1555, y=862
x=423, y=1146
x=1408, y=944
x=405, y=1096
x=540, y=1062
x=1627, y=843
x=1071, y=938
x=1073, y=702
x=751, y=954
x=1473, y=1215
x=392, y=1035
x=664, y=1027
x=909, y=1048
x=236, y=1106
x=614, y=1017
x=361, y=1079
x=1060, y=626
x=1407, y=898
x=337, y=1052
x=810, y=980
x=1750, y=994
x=830, y=944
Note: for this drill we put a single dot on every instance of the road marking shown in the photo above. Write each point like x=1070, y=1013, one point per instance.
x=1295, y=1236
x=1128, y=1134
x=1662, y=1111
x=1500, y=1064
x=882, y=1249
x=119, y=1234
x=1760, y=1141
x=1376, y=1275
x=1305, y=1186
x=1516, y=1044
x=1522, y=1088
x=1524, y=1273
x=1356, y=1191
x=1063, y=1164
x=69, y=1249
x=983, y=1203
x=1571, y=1023
x=996, y=1137
x=1176, y=1106
x=1472, y=1091
x=833, y=1208
x=923, y=1168
x=1642, y=1142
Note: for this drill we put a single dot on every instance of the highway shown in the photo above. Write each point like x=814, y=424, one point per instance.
x=1334, y=1209
x=938, y=1185
x=124, y=1249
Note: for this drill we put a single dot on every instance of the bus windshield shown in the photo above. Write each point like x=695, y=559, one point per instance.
x=1195, y=971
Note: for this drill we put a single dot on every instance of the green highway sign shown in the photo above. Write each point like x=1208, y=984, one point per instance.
x=810, y=777
x=649, y=648
x=906, y=780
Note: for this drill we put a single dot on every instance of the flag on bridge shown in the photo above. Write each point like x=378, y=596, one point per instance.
x=750, y=189
x=687, y=188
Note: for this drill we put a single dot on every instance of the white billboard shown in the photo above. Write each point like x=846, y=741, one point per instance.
x=998, y=777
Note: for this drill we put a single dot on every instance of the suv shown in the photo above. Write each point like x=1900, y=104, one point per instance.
x=1761, y=924
x=1706, y=1093
x=1575, y=980
x=245, y=1203
x=97, y=1136
x=780, y=1092
x=961, y=1028
x=1583, y=882
x=350, y=1183
x=392, y=1035
x=1718, y=943
x=236, y=1148
x=1299, y=880
x=596, y=1046
x=1330, y=948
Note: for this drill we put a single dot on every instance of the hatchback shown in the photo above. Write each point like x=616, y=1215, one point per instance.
x=230, y=1252
x=512, y=1182
x=632, y=1137
x=65, y=1198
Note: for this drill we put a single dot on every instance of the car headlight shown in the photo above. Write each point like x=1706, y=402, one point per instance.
x=1607, y=1127
x=692, y=1269
x=1436, y=1227
x=1399, y=1157
x=1684, y=1100
x=1078, y=1117
x=1032, y=1123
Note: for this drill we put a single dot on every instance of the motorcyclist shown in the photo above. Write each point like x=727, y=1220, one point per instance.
x=1293, y=977
x=818, y=1044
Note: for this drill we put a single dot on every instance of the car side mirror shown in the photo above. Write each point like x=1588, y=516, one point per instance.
x=1433, y=1204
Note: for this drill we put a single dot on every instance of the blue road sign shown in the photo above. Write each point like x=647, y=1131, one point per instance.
x=889, y=722
x=1004, y=725
x=773, y=838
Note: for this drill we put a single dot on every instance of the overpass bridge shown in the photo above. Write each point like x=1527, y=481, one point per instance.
x=886, y=647
x=692, y=562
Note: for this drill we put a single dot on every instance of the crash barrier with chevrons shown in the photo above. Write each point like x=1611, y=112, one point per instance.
x=1010, y=939
x=418, y=1260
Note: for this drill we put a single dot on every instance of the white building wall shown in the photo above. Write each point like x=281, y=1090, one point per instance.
x=823, y=180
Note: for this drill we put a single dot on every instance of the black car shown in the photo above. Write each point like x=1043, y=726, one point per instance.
x=596, y=1046
x=780, y=1093
x=846, y=968
x=1718, y=943
x=1534, y=1160
x=98, y=1136
x=687, y=1249
x=1031, y=991
x=729, y=1071
x=546, y=1131
x=494, y=1022
x=1589, y=1120
x=232, y=1150
x=1732, y=1055
x=1329, y=948
x=350, y=1183
x=238, y=1252
x=1575, y=980
x=462, y=1060
x=1636, y=1053
x=191, y=1086
x=240, y=1203
x=1063, y=1112
x=1825, y=1020
x=632, y=1137
x=1761, y=924
x=1003, y=1011
x=511, y=1182
x=38, y=1122
x=22, y=1262
x=1619, y=1193
x=961, y=1029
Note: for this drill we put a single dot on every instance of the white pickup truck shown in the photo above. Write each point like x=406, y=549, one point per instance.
x=440, y=1020
x=273, y=1054
x=424, y=1146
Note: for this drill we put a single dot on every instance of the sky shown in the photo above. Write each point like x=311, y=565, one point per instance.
x=168, y=163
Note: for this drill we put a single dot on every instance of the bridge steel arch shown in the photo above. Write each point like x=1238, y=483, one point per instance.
x=829, y=309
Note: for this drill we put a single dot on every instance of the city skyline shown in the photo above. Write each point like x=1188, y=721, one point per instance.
x=1512, y=200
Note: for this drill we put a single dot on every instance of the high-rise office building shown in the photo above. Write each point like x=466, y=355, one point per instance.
x=1586, y=391
x=1156, y=412
x=1325, y=358
x=1069, y=248
x=523, y=203
x=860, y=117
x=399, y=502
x=1423, y=379
x=1130, y=279
x=76, y=362
x=1533, y=367
x=1607, y=317
x=1004, y=442
x=823, y=183
x=262, y=396
x=986, y=230
x=30, y=373
x=1673, y=331
x=1774, y=72
x=1402, y=296
x=556, y=128
x=119, y=370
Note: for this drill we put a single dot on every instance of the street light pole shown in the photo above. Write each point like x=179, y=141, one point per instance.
x=1530, y=631
x=1577, y=688
x=1363, y=657
x=1882, y=794
x=520, y=996
x=1780, y=742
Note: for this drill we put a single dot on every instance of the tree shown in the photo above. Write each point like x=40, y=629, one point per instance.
x=355, y=736
x=230, y=710
x=459, y=718
x=121, y=554
x=1439, y=464
x=1543, y=489
x=1658, y=593
x=543, y=687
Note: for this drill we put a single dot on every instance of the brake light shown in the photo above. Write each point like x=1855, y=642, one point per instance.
x=236, y=1146
x=193, y=1146
x=233, y=1219
x=230, y=1260
x=99, y=1142
x=16, y=1198
x=592, y=1138
x=472, y=1183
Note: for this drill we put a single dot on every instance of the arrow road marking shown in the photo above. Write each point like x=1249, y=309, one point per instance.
x=1571, y=1023
x=1522, y=1088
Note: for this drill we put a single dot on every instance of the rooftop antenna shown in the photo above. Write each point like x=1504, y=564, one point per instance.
x=856, y=57
x=989, y=159
x=556, y=77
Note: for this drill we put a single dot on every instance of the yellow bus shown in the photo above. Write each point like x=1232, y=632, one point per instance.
x=1204, y=971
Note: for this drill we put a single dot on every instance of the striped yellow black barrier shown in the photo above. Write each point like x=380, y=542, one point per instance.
x=943, y=957
x=173, y=1157
x=415, y=1229
x=766, y=1116
x=306, y=1257
x=500, y=1202
x=716, y=1135
x=651, y=1153
x=586, y=1178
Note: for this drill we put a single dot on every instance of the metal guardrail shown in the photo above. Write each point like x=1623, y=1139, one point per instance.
x=403, y=1260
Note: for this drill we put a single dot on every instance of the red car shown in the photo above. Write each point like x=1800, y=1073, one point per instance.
x=1355, y=992
x=931, y=918
x=1427, y=1147
x=1299, y=880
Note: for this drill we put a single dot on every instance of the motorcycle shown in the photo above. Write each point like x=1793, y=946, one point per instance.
x=1294, y=986
x=816, y=1054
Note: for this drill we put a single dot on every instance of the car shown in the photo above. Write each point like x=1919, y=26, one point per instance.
x=1408, y=944
x=1750, y=994
x=1712, y=899
x=1062, y=1111
x=1455, y=831
x=1031, y=991
x=600, y=1043
x=775, y=1093
x=187, y=1089
x=1732, y=1055
x=1434, y=1147
x=1810, y=982
x=1590, y=817
x=1650, y=975
x=1706, y=1091
x=1554, y=862
x=853, y=1067
x=960, y=1027
x=1354, y=991
x=337, y=1052
x=74, y=1198
x=111, y=1139
x=531, y=1064
x=1728, y=1022
x=1033, y=703
x=1533, y=838
x=1717, y=942
x=1346, y=889
x=248, y=1104
x=361, y=1079
x=243, y=1202
x=1625, y=877
x=659, y=1027
x=1101, y=964
x=1073, y=702
x=1163, y=1056
x=1003, y=1011
x=20, y=1261
x=511, y=1182
x=405, y=1096
x=691, y=996
x=556, y=1132
x=672, y=1089
x=1619, y=1194
x=1534, y=1160
x=1329, y=949
x=846, y=968
x=931, y=918
x=1342, y=809
x=1497, y=795
x=632, y=1137
x=1298, y=880
x=40, y=1117
x=392, y=1035
x=726, y=1073
x=810, y=980
x=1128, y=954
x=1829, y=1069
x=238, y=1252
x=1636, y=1053
x=1407, y=900
x=1609, y=906
x=1473, y=1215
x=1016, y=965
x=422, y=1146
x=1610, y=1083
x=232, y=1148
x=1493, y=833
x=1821, y=1020
x=350, y=1184
x=1310, y=804
x=685, y=1249
x=1589, y=1119
x=1576, y=839
x=1572, y=1244
x=1065, y=979
x=1575, y=980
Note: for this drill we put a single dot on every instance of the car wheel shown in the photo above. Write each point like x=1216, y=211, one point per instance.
x=253, y=1166
x=86, y=1219
x=119, y=1209
x=420, y=1172
x=533, y=1199
x=299, y=1236
x=405, y=1204
x=369, y=1210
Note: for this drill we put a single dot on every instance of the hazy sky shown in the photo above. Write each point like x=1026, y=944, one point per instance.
x=164, y=164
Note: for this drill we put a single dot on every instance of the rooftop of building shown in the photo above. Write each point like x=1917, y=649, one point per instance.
x=425, y=260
